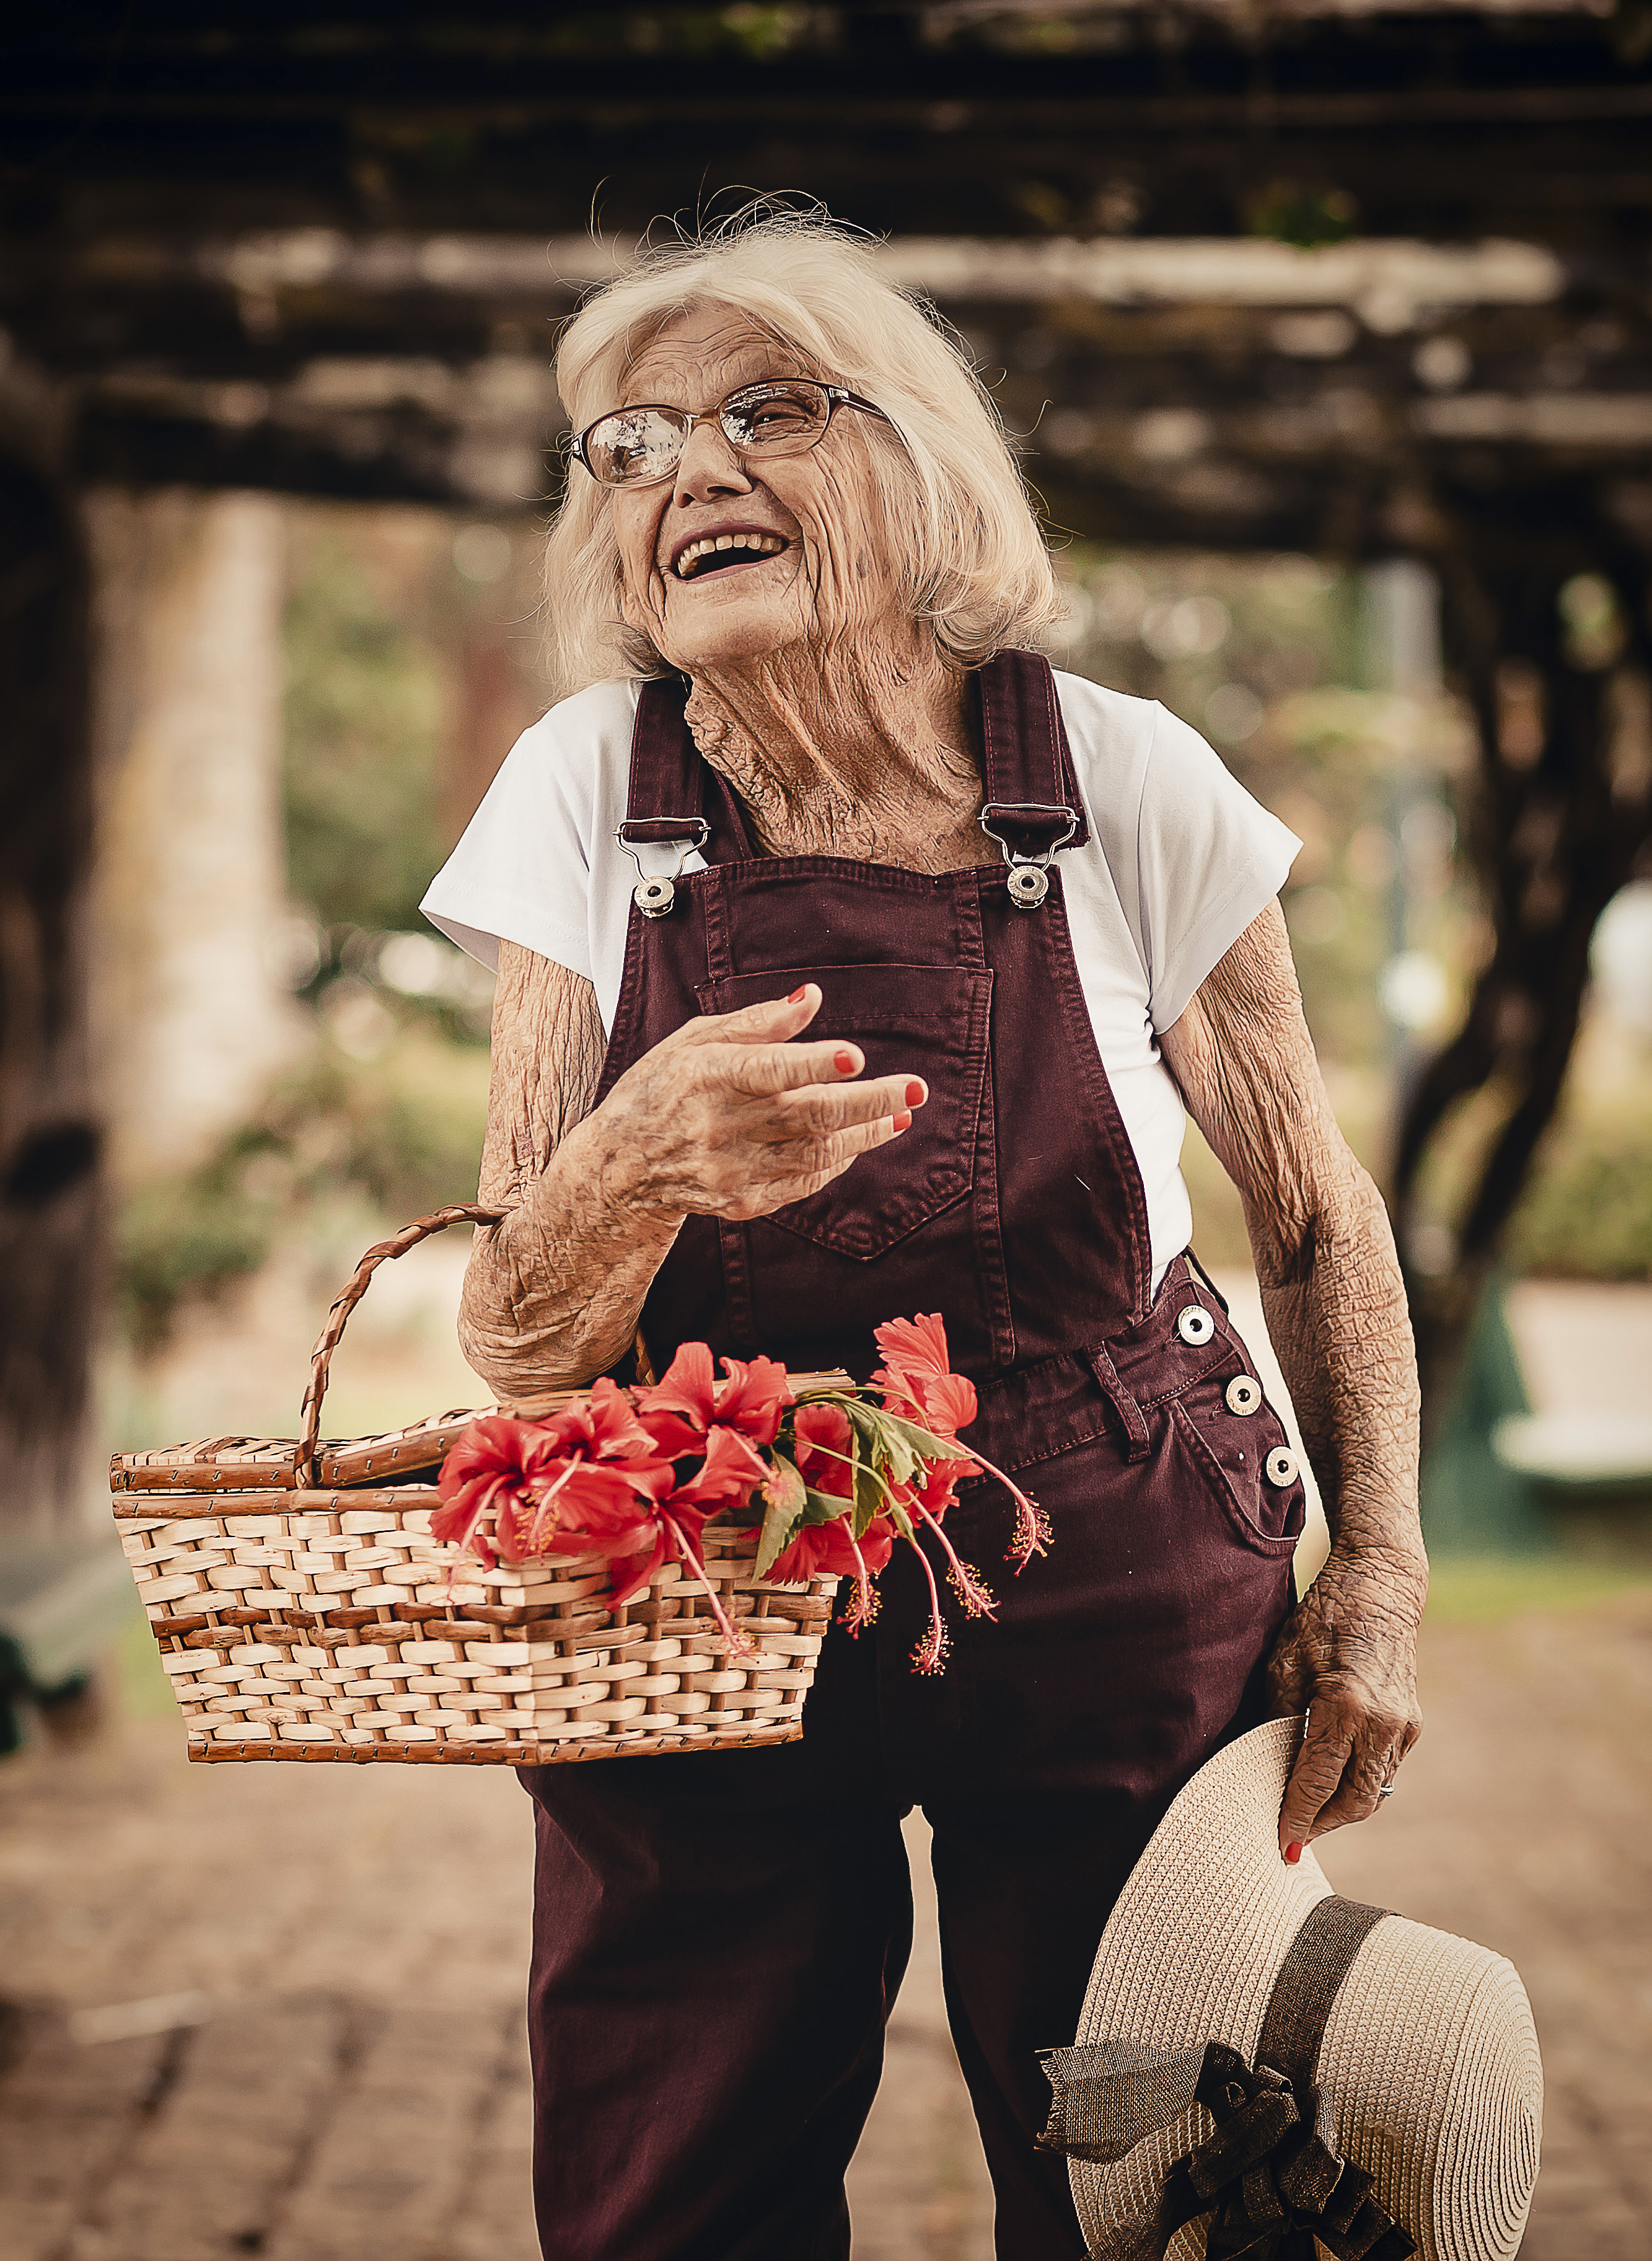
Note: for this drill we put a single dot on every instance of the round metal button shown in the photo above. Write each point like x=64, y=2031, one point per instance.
x=1280, y=1467
x=1195, y=1324
x=654, y=898
x=1244, y=1394
x=1029, y=884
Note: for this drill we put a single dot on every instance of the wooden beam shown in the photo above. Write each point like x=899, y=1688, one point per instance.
x=1451, y=121
x=1233, y=395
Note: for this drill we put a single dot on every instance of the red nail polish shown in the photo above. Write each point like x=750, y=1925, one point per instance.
x=1293, y=1853
x=843, y=1060
x=903, y=1121
x=915, y=1095
x=798, y=995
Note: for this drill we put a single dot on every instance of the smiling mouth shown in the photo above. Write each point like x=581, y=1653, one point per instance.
x=719, y=551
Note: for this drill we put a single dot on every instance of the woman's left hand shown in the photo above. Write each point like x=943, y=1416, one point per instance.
x=1348, y=1657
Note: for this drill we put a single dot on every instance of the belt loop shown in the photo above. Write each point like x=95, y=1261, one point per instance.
x=1194, y=1265
x=1123, y=1403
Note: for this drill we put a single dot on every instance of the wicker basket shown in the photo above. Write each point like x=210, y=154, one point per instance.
x=303, y=1611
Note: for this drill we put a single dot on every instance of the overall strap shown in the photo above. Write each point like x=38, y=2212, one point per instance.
x=673, y=797
x=1032, y=789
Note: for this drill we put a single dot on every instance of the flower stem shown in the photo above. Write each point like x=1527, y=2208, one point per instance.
x=738, y=1644
x=970, y=1587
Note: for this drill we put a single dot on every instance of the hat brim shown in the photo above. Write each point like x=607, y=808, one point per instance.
x=1193, y=1945
x=1429, y=2063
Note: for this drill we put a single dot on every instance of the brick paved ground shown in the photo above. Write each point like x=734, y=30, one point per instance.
x=356, y=2087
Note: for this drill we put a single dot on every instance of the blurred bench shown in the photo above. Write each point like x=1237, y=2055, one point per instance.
x=1591, y=1456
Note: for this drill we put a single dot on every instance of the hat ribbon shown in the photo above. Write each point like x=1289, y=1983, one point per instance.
x=1270, y=2174
x=1273, y=2182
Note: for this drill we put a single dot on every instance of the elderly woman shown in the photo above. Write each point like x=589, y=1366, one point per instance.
x=852, y=964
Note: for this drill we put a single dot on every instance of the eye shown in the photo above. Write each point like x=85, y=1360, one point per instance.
x=775, y=415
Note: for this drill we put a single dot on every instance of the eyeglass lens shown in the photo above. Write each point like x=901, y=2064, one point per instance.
x=786, y=417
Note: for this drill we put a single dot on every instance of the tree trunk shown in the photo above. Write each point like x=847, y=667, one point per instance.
x=1555, y=834
x=190, y=1013
x=49, y=1139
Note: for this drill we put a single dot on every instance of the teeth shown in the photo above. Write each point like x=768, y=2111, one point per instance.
x=766, y=545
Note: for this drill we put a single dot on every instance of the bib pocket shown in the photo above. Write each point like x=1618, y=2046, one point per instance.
x=930, y=1021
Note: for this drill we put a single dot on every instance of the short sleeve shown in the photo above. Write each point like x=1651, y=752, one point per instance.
x=1209, y=858
x=522, y=872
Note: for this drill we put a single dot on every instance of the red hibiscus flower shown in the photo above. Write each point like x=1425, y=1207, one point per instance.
x=831, y=1550
x=917, y=1379
x=594, y=1507
x=730, y=1472
x=601, y=1425
x=687, y=1400
x=824, y=1440
x=918, y=1382
x=491, y=1470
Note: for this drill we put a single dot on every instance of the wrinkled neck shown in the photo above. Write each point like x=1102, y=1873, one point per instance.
x=866, y=747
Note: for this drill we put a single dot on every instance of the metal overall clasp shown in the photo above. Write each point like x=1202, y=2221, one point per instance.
x=653, y=897
x=1029, y=875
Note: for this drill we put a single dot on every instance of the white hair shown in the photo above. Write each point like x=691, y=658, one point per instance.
x=966, y=544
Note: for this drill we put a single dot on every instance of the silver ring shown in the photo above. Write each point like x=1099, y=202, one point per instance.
x=1387, y=1789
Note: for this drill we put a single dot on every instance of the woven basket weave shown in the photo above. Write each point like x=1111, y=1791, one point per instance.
x=303, y=1611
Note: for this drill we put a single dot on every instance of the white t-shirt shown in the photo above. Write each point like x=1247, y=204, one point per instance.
x=1180, y=859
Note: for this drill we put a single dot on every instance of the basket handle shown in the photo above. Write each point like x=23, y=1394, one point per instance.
x=348, y=1297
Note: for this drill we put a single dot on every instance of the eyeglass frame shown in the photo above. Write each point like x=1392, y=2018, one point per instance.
x=838, y=395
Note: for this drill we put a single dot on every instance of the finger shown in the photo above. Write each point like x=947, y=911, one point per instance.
x=759, y=1071
x=818, y=1111
x=1358, y=1795
x=772, y=1021
x=1315, y=1780
x=1379, y=1750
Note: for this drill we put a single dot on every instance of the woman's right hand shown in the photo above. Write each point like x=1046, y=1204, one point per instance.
x=728, y=1117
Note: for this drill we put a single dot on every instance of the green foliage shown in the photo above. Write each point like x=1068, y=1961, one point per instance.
x=184, y=1237
x=1268, y=659
x=362, y=710
x=1487, y=1589
x=404, y=1128
x=1292, y=212
x=1587, y=1211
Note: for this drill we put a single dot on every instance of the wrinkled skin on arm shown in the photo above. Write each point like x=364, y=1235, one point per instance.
x=1335, y=1306
x=520, y=1296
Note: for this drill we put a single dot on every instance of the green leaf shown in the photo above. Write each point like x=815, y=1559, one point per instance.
x=825, y=1507
x=871, y=1498
x=881, y=1443
x=786, y=1498
x=921, y=1443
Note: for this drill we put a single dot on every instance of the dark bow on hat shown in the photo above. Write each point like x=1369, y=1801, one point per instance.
x=1269, y=2176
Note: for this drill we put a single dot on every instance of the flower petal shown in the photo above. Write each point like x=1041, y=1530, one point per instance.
x=916, y=1346
x=730, y=1472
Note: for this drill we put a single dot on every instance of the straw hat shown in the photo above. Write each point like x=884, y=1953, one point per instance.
x=1421, y=2047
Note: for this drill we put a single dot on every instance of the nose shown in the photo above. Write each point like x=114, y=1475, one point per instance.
x=708, y=466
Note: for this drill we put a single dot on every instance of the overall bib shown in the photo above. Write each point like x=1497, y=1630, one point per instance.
x=718, y=1936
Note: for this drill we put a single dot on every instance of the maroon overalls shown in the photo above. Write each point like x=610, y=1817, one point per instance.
x=719, y=1937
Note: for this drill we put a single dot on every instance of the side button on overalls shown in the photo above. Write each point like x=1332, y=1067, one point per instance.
x=719, y=1937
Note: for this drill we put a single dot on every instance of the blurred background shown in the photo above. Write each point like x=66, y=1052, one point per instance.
x=1326, y=333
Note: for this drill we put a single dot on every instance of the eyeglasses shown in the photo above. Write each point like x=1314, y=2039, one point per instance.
x=784, y=416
